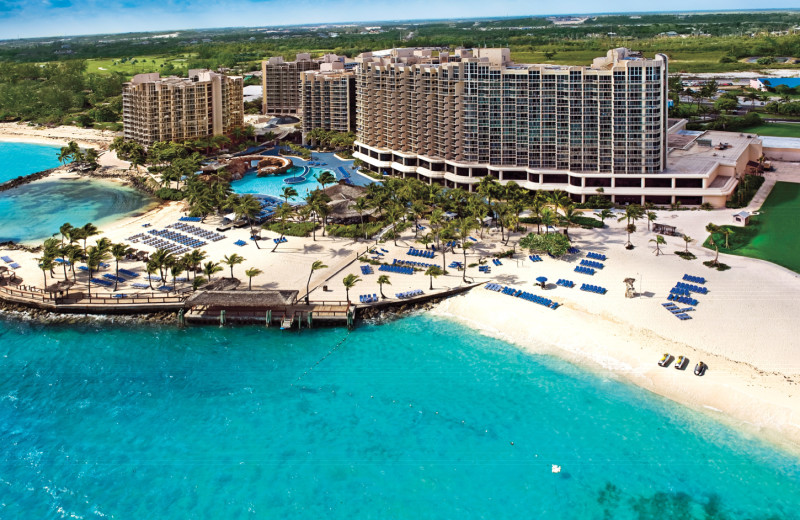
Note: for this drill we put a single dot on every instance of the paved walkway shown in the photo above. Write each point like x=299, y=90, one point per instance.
x=784, y=172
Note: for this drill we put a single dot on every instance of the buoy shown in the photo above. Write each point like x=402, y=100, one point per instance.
x=556, y=468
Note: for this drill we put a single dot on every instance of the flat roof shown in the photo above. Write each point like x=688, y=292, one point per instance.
x=699, y=160
x=781, y=142
x=774, y=82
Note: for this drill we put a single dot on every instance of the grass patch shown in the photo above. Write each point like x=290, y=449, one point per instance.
x=771, y=235
x=292, y=229
x=775, y=129
x=142, y=64
x=686, y=255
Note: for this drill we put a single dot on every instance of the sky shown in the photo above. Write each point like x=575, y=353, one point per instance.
x=35, y=18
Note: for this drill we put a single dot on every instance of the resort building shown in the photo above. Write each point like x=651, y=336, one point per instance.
x=175, y=109
x=454, y=118
x=280, y=81
x=328, y=99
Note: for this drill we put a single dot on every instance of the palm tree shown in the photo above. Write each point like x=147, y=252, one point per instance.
x=383, y=279
x=727, y=231
x=193, y=259
x=604, y=214
x=197, y=282
x=73, y=254
x=712, y=229
x=288, y=193
x=548, y=218
x=64, y=154
x=464, y=228
x=175, y=270
x=434, y=271
x=316, y=266
x=151, y=268
x=210, y=268
x=232, y=260
x=651, y=217
x=65, y=228
x=349, y=282
x=325, y=178
x=283, y=212
x=119, y=252
x=361, y=206
x=570, y=217
x=88, y=230
x=250, y=273
x=686, y=240
x=630, y=228
x=94, y=257
x=393, y=214
x=659, y=241
x=45, y=264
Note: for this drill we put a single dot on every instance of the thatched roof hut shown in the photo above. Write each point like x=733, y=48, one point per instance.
x=242, y=299
x=343, y=196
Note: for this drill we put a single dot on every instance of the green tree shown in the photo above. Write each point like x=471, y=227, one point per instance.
x=119, y=252
x=250, y=273
x=210, y=268
x=604, y=214
x=325, y=178
x=316, y=266
x=383, y=279
x=432, y=272
x=687, y=239
x=232, y=260
x=659, y=241
x=349, y=282
x=713, y=229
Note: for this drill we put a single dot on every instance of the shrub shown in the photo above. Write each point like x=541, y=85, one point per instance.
x=718, y=267
x=686, y=255
x=292, y=229
x=169, y=194
x=742, y=196
x=555, y=244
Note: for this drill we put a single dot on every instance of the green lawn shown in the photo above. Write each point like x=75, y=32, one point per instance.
x=774, y=234
x=775, y=129
x=143, y=64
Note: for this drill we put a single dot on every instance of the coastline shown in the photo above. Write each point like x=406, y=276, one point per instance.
x=56, y=136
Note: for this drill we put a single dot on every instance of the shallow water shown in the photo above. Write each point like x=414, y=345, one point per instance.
x=416, y=418
x=20, y=159
x=35, y=211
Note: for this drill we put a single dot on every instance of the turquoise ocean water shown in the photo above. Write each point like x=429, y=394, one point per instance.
x=18, y=159
x=416, y=418
x=35, y=211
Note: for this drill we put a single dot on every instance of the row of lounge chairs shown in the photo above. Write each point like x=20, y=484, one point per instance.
x=452, y=243
x=180, y=238
x=190, y=219
x=677, y=311
x=12, y=263
x=693, y=288
x=280, y=240
x=424, y=253
x=456, y=265
x=584, y=270
x=596, y=256
x=682, y=299
x=535, y=258
x=496, y=261
x=573, y=250
x=510, y=291
x=484, y=269
x=100, y=281
x=399, y=269
x=566, y=283
x=592, y=263
x=693, y=279
x=411, y=263
x=211, y=236
x=409, y=294
x=677, y=291
x=593, y=288
x=367, y=269
x=368, y=298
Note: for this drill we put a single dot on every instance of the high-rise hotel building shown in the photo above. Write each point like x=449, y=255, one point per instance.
x=280, y=81
x=175, y=109
x=453, y=118
x=328, y=99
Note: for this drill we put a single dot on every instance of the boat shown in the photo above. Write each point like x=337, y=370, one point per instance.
x=700, y=369
x=681, y=363
x=665, y=359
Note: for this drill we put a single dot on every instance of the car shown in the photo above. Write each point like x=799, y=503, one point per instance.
x=681, y=362
x=665, y=359
x=700, y=369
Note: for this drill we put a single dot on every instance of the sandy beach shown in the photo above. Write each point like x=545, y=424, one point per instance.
x=57, y=136
x=744, y=329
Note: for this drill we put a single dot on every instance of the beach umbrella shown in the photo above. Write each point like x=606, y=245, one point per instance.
x=542, y=280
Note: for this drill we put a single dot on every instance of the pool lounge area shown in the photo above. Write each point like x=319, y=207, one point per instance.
x=302, y=176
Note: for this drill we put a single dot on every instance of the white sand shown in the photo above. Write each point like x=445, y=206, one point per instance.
x=58, y=136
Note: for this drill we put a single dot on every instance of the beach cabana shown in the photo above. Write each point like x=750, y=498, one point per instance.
x=664, y=229
x=743, y=217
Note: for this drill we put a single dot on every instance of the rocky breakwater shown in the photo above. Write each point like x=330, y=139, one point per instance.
x=15, y=311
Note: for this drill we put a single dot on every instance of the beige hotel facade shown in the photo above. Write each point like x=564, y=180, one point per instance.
x=454, y=118
x=176, y=109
